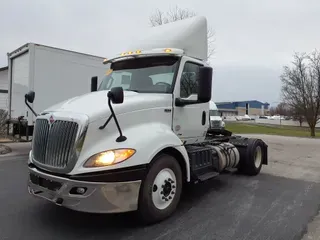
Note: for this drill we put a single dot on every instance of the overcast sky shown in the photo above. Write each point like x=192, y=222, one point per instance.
x=254, y=38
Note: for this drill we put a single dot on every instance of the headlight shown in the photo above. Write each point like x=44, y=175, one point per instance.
x=110, y=157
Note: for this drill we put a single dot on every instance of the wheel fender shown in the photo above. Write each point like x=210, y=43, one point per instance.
x=147, y=139
x=182, y=150
x=158, y=141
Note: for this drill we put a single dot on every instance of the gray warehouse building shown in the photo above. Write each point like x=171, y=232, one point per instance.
x=240, y=108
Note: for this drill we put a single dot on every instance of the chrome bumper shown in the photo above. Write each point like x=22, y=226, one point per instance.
x=99, y=197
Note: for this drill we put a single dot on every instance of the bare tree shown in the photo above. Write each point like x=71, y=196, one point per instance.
x=282, y=109
x=297, y=114
x=175, y=14
x=272, y=111
x=301, y=87
x=3, y=120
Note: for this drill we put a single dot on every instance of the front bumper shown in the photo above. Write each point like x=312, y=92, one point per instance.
x=99, y=197
x=216, y=125
x=218, y=128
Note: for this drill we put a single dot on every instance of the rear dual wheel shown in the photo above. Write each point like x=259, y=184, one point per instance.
x=252, y=158
x=161, y=190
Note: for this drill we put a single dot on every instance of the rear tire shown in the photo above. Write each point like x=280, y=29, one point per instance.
x=161, y=190
x=251, y=160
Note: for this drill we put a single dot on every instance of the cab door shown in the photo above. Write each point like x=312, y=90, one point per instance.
x=190, y=122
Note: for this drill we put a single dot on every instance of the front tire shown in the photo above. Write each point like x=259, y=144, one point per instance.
x=161, y=190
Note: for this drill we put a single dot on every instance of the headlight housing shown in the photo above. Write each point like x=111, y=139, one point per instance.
x=110, y=157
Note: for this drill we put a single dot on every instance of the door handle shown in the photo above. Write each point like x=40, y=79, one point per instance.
x=204, y=118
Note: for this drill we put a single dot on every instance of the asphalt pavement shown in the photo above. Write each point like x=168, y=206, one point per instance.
x=268, y=206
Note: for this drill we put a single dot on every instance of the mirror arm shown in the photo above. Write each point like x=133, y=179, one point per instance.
x=26, y=102
x=182, y=102
x=121, y=138
x=106, y=123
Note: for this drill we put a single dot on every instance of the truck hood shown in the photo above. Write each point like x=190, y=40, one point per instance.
x=95, y=104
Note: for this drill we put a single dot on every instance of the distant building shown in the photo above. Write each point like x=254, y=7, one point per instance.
x=240, y=108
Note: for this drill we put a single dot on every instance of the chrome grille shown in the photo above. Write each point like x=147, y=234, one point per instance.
x=215, y=123
x=54, y=146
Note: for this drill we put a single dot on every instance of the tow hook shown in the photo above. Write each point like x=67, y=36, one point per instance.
x=59, y=201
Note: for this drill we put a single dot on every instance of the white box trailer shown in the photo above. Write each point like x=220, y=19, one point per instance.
x=4, y=88
x=53, y=74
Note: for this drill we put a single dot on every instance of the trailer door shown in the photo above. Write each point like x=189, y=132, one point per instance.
x=20, y=84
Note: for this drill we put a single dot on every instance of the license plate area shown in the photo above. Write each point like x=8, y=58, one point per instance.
x=45, y=183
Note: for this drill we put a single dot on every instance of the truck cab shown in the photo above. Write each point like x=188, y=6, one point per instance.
x=216, y=121
x=134, y=141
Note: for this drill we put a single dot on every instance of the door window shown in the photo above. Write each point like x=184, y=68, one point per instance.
x=189, y=79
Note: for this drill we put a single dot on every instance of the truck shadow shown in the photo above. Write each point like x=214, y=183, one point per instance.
x=230, y=205
x=116, y=226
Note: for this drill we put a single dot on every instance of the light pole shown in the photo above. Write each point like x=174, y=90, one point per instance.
x=276, y=107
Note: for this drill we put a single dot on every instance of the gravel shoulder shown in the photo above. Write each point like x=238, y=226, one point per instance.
x=4, y=149
x=292, y=157
x=296, y=158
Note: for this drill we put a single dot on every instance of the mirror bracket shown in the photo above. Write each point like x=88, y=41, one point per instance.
x=115, y=95
x=29, y=97
x=179, y=102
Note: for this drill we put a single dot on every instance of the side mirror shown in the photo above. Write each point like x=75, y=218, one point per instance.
x=205, y=84
x=94, y=84
x=30, y=96
x=116, y=95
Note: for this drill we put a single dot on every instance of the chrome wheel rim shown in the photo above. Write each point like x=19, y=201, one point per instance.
x=164, y=188
x=258, y=157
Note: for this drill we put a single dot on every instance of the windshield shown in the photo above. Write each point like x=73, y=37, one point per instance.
x=214, y=113
x=145, y=74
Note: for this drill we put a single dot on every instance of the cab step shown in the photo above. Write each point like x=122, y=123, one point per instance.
x=203, y=162
x=208, y=175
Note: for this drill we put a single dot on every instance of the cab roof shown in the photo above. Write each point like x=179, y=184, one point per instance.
x=186, y=37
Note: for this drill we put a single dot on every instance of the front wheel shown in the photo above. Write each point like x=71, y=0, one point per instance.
x=161, y=190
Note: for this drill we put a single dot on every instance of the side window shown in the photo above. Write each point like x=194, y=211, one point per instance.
x=189, y=80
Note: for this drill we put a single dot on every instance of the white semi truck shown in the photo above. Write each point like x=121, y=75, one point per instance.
x=54, y=74
x=216, y=121
x=136, y=141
